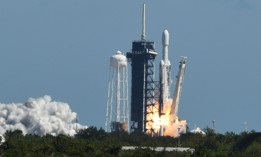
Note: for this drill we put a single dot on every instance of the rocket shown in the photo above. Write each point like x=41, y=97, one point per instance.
x=165, y=68
x=164, y=76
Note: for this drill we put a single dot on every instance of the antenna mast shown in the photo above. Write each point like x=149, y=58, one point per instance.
x=143, y=35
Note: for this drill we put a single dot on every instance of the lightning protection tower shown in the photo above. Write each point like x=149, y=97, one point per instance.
x=117, y=102
x=142, y=82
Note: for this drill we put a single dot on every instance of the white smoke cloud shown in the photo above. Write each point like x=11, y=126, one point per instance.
x=39, y=116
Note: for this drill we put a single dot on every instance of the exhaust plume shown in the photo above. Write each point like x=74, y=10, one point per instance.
x=171, y=124
x=39, y=116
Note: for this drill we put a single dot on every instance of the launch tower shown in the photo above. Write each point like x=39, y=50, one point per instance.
x=143, y=86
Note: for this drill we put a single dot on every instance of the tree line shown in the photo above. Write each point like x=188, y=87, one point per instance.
x=94, y=142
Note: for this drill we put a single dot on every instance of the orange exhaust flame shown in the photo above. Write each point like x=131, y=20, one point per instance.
x=171, y=126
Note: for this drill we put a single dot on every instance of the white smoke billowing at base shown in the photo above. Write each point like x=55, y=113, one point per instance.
x=39, y=116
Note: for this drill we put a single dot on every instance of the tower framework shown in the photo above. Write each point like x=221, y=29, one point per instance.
x=143, y=89
x=143, y=86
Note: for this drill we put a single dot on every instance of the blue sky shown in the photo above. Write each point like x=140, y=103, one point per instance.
x=61, y=48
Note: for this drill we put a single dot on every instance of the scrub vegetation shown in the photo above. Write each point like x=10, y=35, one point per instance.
x=93, y=142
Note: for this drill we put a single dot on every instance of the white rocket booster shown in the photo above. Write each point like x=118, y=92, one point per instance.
x=178, y=88
x=165, y=67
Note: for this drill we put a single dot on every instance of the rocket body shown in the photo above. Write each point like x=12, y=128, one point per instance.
x=165, y=76
x=168, y=105
x=165, y=67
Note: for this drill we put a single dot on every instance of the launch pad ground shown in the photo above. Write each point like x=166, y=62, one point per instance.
x=161, y=149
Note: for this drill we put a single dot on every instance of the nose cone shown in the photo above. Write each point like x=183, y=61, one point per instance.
x=165, y=38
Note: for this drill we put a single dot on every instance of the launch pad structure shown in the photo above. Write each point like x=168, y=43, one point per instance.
x=143, y=86
x=153, y=110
